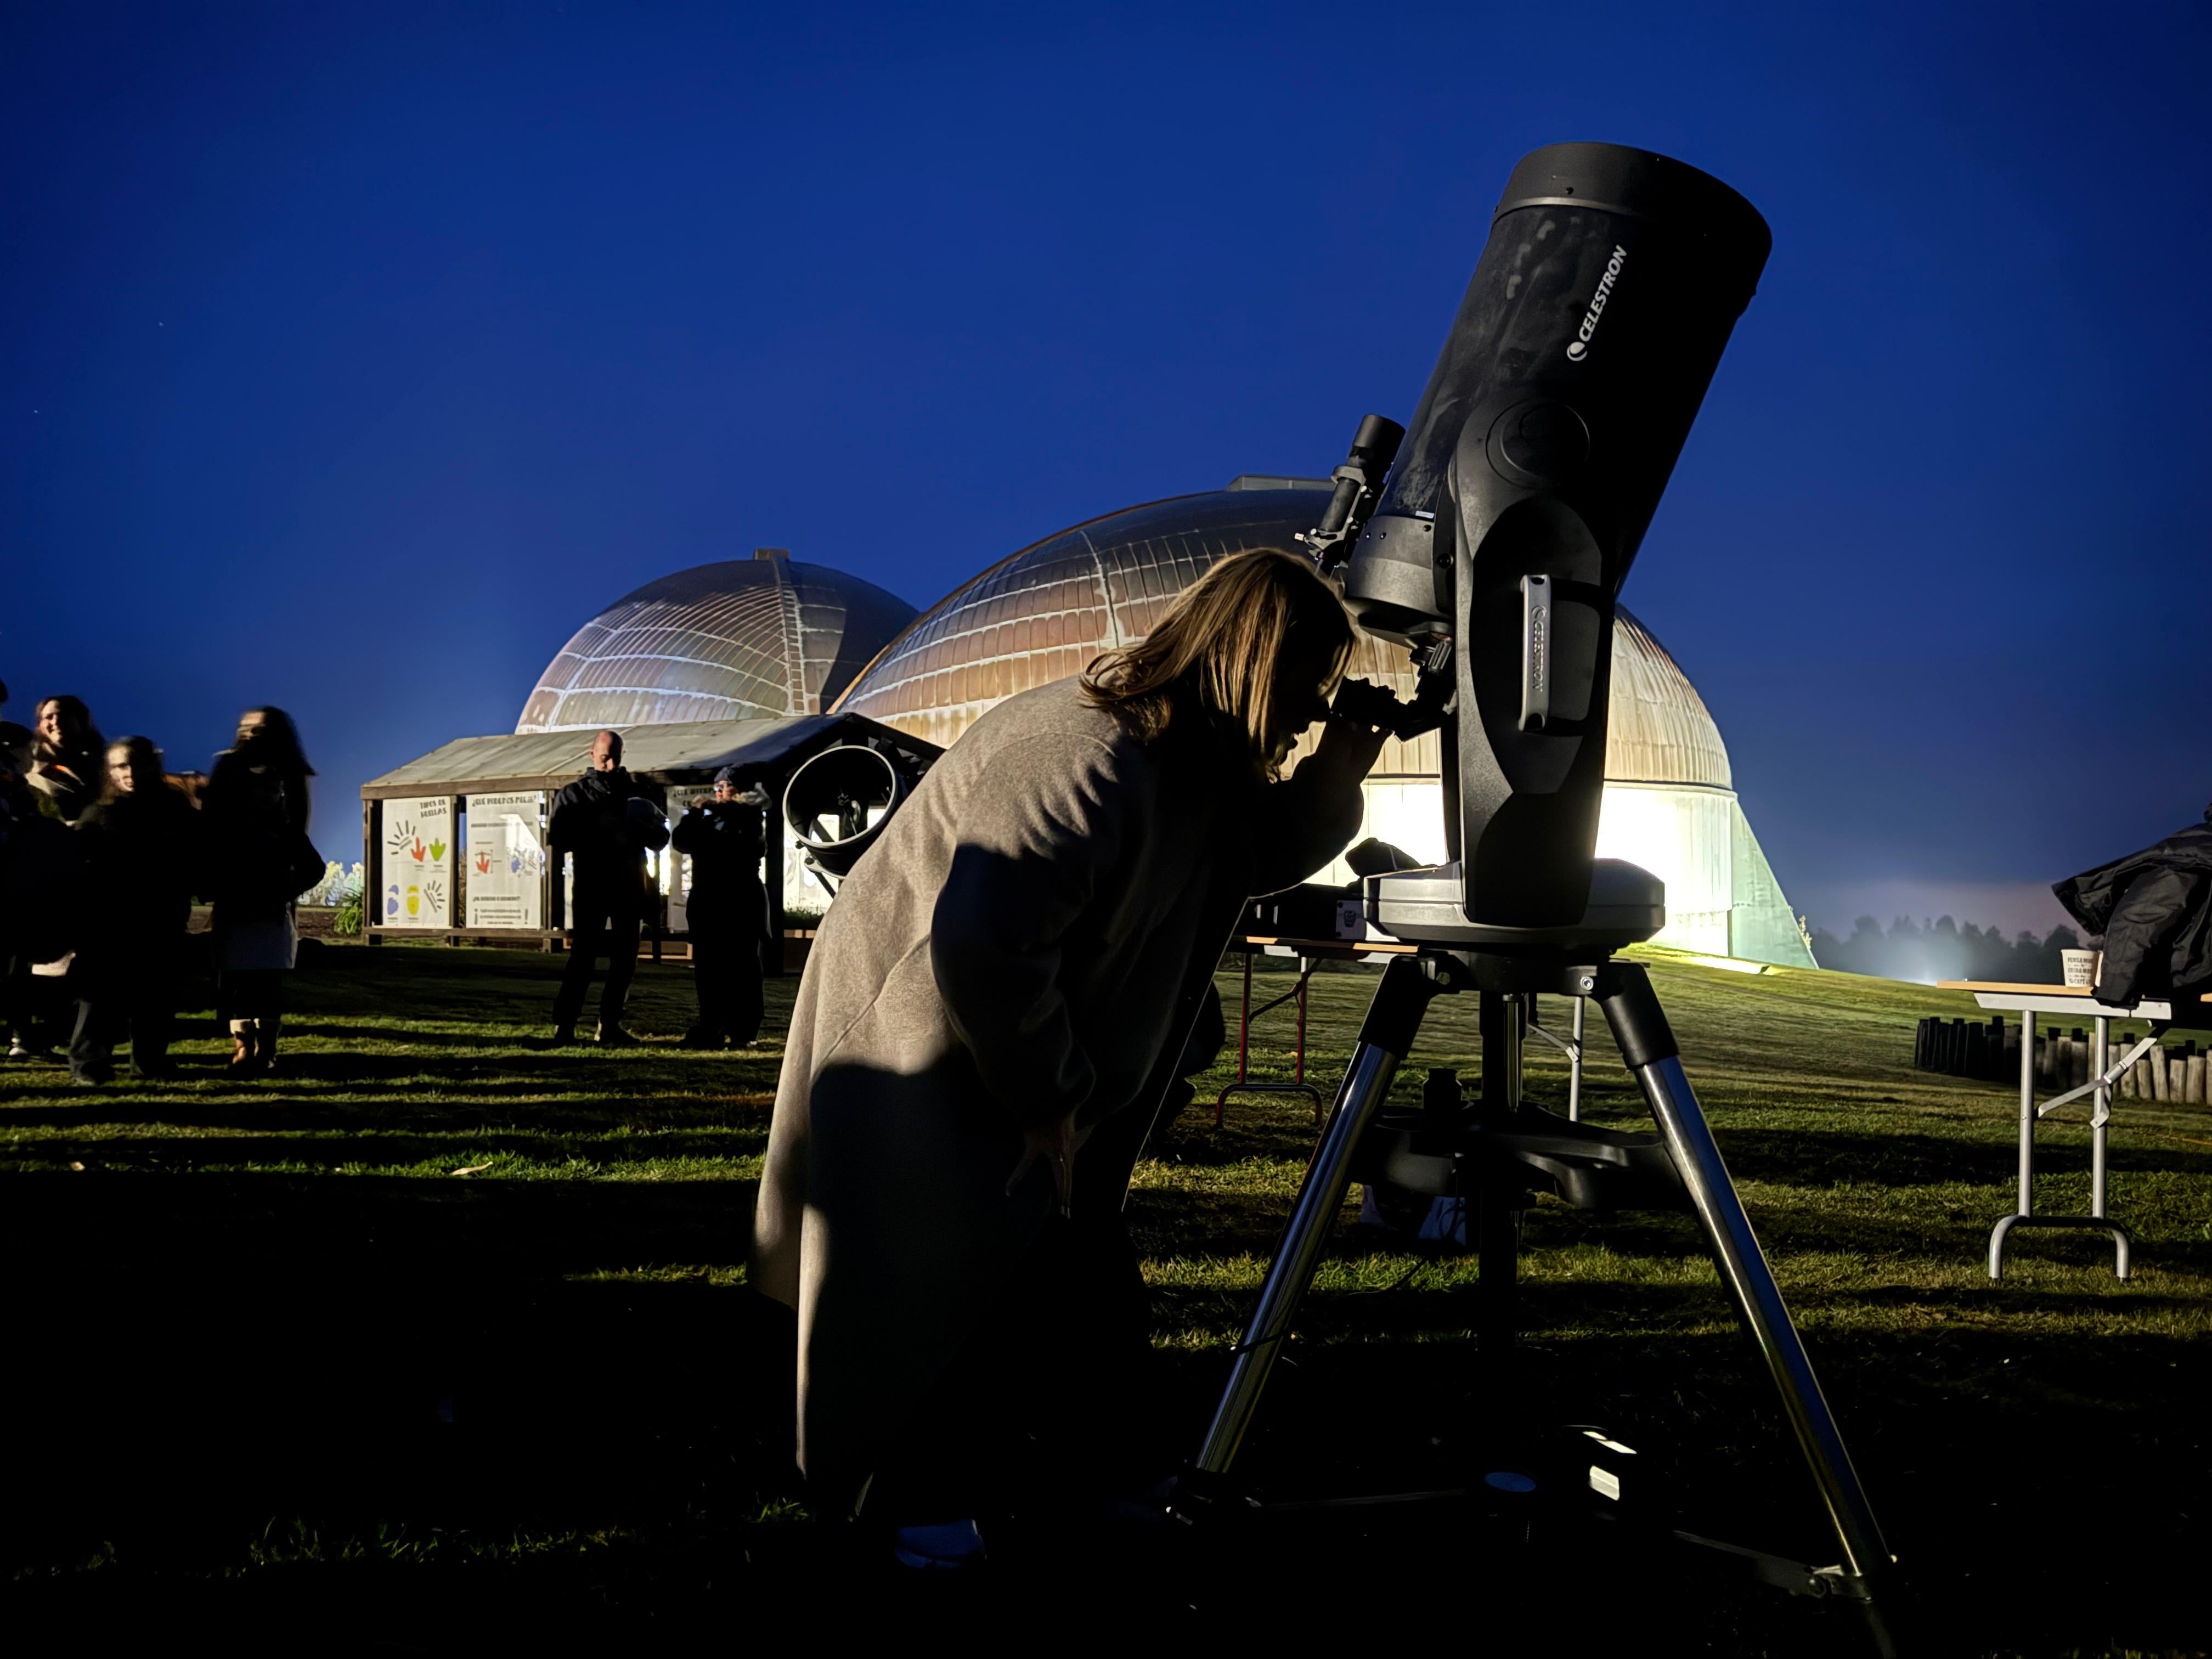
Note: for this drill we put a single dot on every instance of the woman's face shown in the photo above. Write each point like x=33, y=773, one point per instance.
x=120, y=772
x=1301, y=698
x=55, y=723
x=250, y=727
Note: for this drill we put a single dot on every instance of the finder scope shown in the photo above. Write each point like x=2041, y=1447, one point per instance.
x=1564, y=392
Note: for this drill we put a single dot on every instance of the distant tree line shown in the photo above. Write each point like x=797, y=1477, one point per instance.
x=1942, y=950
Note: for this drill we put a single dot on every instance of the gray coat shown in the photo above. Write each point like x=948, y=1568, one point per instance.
x=1031, y=937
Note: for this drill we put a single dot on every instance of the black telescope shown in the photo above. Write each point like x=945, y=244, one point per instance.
x=1566, y=389
x=1496, y=551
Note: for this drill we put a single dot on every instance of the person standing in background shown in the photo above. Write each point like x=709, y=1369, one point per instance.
x=64, y=774
x=727, y=911
x=140, y=843
x=256, y=831
x=606, y=824
x=67, y=759
x=41, y=890
x=17, y=802
x=15, y=742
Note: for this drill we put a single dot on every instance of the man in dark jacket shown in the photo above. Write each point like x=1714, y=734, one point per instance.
x=727, y=911
x=2154, y=910
x=606, y=824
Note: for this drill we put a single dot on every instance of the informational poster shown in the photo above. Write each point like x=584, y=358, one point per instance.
x=415, y=875
x=506, y=861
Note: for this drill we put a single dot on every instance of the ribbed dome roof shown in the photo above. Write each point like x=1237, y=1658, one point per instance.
x=747, y=639
x=1658, y=731
x=1043, y=613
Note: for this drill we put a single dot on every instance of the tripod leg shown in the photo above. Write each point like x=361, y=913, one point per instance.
x=1494, y=1190
x=1394, y=1018
x=1639, y=1025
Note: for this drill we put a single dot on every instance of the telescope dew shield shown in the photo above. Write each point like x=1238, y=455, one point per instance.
x=1588, y=335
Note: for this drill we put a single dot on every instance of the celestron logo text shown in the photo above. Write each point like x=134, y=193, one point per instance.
x=1579, y=348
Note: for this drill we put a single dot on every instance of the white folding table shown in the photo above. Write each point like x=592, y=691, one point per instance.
x=2031, y=1000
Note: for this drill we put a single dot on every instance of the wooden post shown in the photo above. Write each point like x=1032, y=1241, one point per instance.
x=370, y=872
x=2159, y=1081
x=2193, y=1088
x=772, y=872
x=458, y=916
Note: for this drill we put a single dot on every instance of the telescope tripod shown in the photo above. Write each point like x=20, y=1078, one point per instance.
x=1489, y=1153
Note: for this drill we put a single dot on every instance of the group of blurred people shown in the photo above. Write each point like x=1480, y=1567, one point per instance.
x=102, y=855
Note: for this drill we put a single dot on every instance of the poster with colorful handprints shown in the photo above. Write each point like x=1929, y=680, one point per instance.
x=506, y=861
x=415, y=871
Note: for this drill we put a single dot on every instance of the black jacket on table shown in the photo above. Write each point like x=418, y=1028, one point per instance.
x=2154, y=910
x=724, y=841
x=592, y=823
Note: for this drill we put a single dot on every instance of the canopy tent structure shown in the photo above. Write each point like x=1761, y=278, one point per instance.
x=454, y=842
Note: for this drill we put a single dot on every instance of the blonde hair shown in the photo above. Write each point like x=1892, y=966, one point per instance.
x=1225, y=647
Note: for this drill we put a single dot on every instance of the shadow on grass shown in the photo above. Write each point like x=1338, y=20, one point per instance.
x=179, y=1154
x=512, y=1074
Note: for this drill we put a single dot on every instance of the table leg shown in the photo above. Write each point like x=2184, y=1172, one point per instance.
x=1575, y=1063
x=2100, y=1115
x=2027, y=1144
x=1243, y=1039
x=1305, y=978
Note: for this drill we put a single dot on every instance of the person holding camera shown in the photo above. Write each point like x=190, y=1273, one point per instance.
x=606, y=824
x=995, y=1005
x=726, y=910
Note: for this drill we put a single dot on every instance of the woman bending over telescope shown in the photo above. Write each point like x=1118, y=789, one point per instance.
x=994, y=1006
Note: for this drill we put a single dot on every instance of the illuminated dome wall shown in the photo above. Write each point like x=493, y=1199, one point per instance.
x=1670, y=802
x=750, y=639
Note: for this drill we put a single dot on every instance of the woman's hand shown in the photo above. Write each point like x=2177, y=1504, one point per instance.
x=1055, y=1144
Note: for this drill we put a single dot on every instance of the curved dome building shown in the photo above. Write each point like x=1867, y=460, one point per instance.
x=1670, y=802
x=746, y=639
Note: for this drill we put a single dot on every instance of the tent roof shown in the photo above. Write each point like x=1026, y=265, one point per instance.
x=684, y=751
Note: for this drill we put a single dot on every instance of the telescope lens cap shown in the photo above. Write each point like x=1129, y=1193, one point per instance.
x=1538, y=445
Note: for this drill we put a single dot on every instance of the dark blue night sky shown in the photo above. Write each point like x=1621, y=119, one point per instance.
x=353, y=356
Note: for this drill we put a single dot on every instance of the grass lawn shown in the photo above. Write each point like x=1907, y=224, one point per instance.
x=441, y=1338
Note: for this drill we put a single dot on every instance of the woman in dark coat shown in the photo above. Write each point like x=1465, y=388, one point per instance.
x=40, y=908
x=255, y=821
x=64, y=778
x=140, y=843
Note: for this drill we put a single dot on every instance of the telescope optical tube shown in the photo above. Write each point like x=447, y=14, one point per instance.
x=1592, y=326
